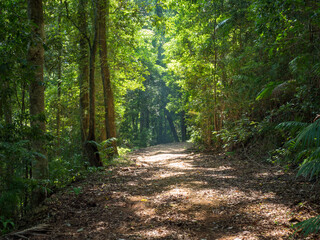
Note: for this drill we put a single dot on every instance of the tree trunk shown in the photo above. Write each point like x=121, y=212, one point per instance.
x=59, y=80
x=36, y=92
x=171, y=124
x=83, y=73
x=160, y=129
x=6, y=108
x=183, y=127
x=23, y=103
x=209, y=132
x=91, y=148
x=103, y=17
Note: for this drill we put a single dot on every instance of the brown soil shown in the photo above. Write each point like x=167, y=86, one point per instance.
x=174, y=193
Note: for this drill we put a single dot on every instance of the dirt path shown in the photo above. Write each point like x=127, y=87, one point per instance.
x=174, y=193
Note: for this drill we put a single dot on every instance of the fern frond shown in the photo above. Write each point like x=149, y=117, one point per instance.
x=316, y=69
x=94, y=143
x=310, y=168
x=294, y=64
x=309, y=136
x=315, y=153
x=302, y=155
x=292, y=126
x=108, y=141
x=309, y=226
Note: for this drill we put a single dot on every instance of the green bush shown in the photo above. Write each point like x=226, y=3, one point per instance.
x=306, y=144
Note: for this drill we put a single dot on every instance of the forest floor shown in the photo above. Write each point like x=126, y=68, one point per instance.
x=172, y=192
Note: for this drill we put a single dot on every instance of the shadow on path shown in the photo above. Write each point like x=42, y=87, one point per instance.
x=174, y=193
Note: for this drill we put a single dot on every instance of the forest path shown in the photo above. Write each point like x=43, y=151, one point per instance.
x=174, y=193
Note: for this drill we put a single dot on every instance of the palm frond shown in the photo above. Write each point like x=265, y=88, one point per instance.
x=316, y=69
x=303, y=154
x=309, y=136
x=266, y=91
x=311, y=169
x=315, y=153
x=292, y=126
x=309, y=226
x=294, y=64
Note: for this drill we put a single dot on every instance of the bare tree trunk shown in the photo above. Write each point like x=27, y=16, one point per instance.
x=36, y=91
x=183, y=127
x=59, y=80
x=91, y=148
x=83, y=73
x=6, y=102
x=160, y=129
x=23, y=103
x=103, y=17
x=209, y=132
x=171, y=124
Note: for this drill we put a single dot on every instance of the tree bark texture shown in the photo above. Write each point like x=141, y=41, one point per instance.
x=91, y=148
x=83, y=72
x=36, y=88
x=171, y=124
x=59, y=80
x=5, y=99
x=183, y=127
x=103, y=17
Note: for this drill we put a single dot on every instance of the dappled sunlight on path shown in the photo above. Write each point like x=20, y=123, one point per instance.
x=171, y=192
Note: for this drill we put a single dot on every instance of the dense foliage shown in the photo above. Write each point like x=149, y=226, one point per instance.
x=226, y=73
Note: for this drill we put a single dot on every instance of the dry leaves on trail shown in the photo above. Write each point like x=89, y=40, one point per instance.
x=174, y=193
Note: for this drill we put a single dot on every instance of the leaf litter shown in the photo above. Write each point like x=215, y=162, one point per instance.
x=174, y=192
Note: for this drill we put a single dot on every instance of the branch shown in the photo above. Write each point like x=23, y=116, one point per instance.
x=74, y=24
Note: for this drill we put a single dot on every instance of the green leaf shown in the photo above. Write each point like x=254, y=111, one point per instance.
x=309, y=226
x=292, y=126
x=266, y=92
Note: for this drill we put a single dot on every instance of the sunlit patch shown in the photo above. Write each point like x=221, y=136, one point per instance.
x=181, y=165
x=177, y=191
x=161, y=157
x=278, y=233
x=168, y=174
x=101, y=226
x=262, y=175
x=141, y=206
x=132, y=183
x=223, y=168
x=267, y=213
x=136, y=198
x=159, y=232
x=219, y=176
x=200, y=183
x=239, y=237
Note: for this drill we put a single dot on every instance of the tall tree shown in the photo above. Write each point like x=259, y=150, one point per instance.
x=171, y=124
x=110, y=123
x=36, y=90
x=59, y=78
x=83, y=71
x=91, y=148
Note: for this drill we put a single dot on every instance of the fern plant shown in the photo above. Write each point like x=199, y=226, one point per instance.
x=309, y=226
x=307, y=143
x=105, y=148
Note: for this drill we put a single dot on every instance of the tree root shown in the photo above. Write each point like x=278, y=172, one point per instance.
x=40, y=230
